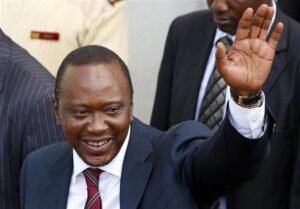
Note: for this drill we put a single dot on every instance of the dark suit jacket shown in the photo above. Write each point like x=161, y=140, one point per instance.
x=186, y=53
x=27, y=119
x=175, y=169
x=290, y=7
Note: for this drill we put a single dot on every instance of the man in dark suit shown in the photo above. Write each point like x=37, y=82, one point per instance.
x=188, y=55
x=27, y=117
x=142, y=167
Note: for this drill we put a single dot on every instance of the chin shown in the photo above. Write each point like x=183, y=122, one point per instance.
x=227, y=29
x=98, y=162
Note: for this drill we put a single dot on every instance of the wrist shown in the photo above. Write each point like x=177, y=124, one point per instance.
x=247, y=101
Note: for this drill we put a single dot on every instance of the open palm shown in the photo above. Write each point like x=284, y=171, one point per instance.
x=246, y=67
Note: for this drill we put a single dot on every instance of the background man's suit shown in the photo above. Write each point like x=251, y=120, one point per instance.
x=27, y=119
x=159, y=171
x=186, y=53
x=290, y=7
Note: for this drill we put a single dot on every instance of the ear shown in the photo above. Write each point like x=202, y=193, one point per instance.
x=131, y=111
x=56, y=111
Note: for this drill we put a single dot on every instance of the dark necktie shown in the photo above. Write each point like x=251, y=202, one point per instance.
x=92, y=181
x=211, y=112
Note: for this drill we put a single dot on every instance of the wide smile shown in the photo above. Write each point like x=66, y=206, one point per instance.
x=97, y=146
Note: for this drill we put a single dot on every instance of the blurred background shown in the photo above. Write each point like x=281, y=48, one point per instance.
x=149, y=21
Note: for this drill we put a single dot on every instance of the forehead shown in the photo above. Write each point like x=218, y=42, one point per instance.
x=92, y=73
x=93, y=77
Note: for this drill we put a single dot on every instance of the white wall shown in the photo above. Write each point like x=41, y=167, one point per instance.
x=149, y=21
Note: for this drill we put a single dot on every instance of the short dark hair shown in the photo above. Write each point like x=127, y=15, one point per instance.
x=90, y=55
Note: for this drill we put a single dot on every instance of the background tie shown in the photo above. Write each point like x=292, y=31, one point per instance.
x=92, y=181
x=211, y=112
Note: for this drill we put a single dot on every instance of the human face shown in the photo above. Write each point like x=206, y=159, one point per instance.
x=227, y=13
x=95, y=110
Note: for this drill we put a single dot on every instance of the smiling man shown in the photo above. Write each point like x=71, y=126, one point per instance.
x=111, y=160
x=95, y=128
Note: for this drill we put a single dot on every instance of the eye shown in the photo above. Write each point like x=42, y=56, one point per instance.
x=112, y=110
x=79, y=112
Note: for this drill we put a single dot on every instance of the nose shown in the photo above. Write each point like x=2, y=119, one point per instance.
x=219, y=6
x=97, y=124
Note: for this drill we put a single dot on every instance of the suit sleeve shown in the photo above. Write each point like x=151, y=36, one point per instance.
x=41, y=128
x=160, y=112
x=218, y=165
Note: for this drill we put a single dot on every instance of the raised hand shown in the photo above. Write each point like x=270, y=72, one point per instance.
x=246, y=67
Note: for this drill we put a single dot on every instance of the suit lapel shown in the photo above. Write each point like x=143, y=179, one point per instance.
x=280, y=60
x=54, y=193
x=205, y=36
x=135, y=171
x=202, y=38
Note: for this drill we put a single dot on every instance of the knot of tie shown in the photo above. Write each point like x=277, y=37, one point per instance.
x=92, y=176
x=226, y=41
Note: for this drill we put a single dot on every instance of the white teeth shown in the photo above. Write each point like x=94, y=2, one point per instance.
x=97, y=143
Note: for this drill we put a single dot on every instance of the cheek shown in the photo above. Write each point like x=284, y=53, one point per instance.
x=72, y=130
x=121, y=128
x=238, y=8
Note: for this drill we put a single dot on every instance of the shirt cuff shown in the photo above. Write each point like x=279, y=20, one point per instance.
x=249, y=122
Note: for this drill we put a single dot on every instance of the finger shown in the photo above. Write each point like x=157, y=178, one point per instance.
x=275, y=36
x=258, y=22
x=221, y=58
x=266, y=24
x=244, y=25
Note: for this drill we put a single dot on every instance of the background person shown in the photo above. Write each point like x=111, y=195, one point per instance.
x=50, y=29
x=27, y=117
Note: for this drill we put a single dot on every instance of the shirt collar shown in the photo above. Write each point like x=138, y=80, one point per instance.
x=220, y=33
x=114, y=167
